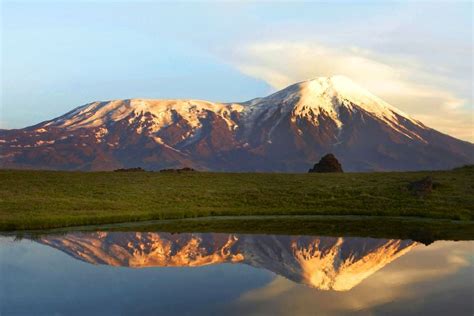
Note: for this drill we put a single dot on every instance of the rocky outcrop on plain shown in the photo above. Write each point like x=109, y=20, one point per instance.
x=423, y=187
x=136, y=169
x=327, y=164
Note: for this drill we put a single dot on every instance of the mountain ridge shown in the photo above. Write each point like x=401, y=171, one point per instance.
x=286, y=131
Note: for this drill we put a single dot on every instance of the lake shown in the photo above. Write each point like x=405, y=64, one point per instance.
x=153, y=273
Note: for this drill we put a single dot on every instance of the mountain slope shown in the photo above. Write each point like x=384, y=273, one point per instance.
x=326, y=263
x=286, y=131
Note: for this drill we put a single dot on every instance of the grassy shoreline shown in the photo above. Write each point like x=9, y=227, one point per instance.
x=417, y=229
x=53, y=199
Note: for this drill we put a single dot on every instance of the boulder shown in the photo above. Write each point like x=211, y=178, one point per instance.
x=328, y=163
x=423, y=187
x=137, y=169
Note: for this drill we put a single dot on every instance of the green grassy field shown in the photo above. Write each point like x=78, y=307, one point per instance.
x=47, y=199
x=414, y=228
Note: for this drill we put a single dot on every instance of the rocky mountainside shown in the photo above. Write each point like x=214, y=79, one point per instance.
x=287, y=131
x=326, y=263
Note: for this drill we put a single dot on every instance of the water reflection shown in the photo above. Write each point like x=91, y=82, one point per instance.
x=128, y=273
x=433, y=280
x=325, y=263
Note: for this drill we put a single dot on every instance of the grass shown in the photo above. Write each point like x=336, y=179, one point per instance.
x=421, y=230
x=49, y=199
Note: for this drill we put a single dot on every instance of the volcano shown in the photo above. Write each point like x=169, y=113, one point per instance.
x=287, y=131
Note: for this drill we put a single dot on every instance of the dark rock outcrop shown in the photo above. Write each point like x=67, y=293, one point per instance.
x=137, y=169
x=185, y=169
x=328, y=163
x=422, y=187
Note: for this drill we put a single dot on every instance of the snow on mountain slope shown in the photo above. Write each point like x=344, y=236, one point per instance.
x=306, y=99
x=103, y=113
x=286, y=131
x=326, y=96
x=325, y=263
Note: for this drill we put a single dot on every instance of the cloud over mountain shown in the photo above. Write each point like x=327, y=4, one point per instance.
x=400, y=80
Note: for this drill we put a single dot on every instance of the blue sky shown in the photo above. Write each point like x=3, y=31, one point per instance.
x=62, y=54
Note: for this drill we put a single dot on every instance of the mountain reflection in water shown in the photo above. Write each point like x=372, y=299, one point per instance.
x=326, y=263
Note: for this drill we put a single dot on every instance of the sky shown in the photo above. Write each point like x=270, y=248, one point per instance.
x=58, y=55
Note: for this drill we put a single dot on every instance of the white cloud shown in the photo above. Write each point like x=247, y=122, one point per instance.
x=403, y=82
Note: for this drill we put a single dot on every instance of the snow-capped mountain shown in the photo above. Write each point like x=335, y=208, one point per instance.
x=286, y=131
x=326, y=263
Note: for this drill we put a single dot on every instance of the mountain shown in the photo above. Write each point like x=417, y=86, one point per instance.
x=326, y=263
x=287, y=131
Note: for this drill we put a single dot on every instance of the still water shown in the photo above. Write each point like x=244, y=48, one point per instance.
x=123, y=273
